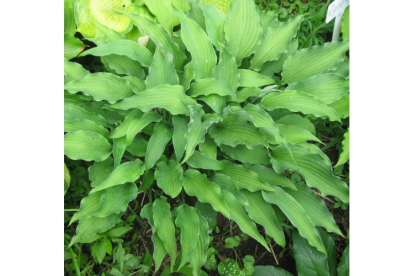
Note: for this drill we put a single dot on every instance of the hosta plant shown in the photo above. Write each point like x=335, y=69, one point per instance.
x=217, y=108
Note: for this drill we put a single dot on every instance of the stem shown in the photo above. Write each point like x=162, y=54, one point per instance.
x=73, y=255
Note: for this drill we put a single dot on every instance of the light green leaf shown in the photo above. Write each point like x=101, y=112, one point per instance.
x=342, y=69
x=211, y=86
x=271, y=67
x=222, y=5
x=73, y=46
x=199, y=255
x=262, y=213
x=138, y=146
x=242, y=28
x=189, y=223
x=209, y=147
x=99, y=171
x=187, y=76
x=342, y=106
x=270, y=177
x=101, y=86
x=297, y=101
x=343, y=266
x=126, y=172
x=105, y=12
x=168, y=176
x=296, y=214
x=69, y=19
x=202, y=161
x=267, y=270
x=294, y=134
x=330, y=247
x=122, y=47
x=214, y=19
x=257, y=155
x=164, y=226
x=161, y=71
x=312, y=61
x=118, y=231
x=318, y=212
x=86, y=125
x=101, y=252
x=196, y=184
x=123, y=128
x=169, y=97
x=235, y=130
x=138, y=124
x=118, y=150
x=249, y=78
x=345, y=24
x=327, y=87
x=202, y=53
x=216, y=102
x=74, y=71
x=239, y=216
x=313, y=167
x=162, y=9
x=247, y=92
x=196, y=13
x=179, y=140
x=298, y=121
x=86, y=145
x=156, y=144
x=123, y=65
x=308, y=260
x=66, y=178
x=344, y=156
x=227, y=71
x=243, y=178
x=268, y=18
x=276, y=40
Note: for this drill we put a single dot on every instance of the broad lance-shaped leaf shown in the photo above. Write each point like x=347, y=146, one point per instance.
x=187, y=76
x=156, y=144
x=275, y=42
x=196, y=13
x=295, y=134
x=330, y=247
x=123, y=128
x=74, y=71
x=257, y=155
x=161, y=71
x=247, y=92
x=199, y=255
x=162, y=9
x=214, y=25
x=320, y=214
x=126, y=172
x=327, y=87
x=313, y=61
x=242, y=28
x=73, y=46
x=313, y=167
x=249, y=78
x=113, y=200
x=262, y=213
x=86, y=125
x=296, y=214
x=341, y=106
x=297, y=101
x=168, y=176
x=160, y=37
x=138, y=146
x=270, y=177
x=196, y=184
x=189, y=223
x=164, y=226
x=343, y=266
x=243, y=178
x=180, y=124
x=86, y=145
x=169, y=97
x=298, y=121
x=139, y=123
x=159, y=248
x=203, y=161
x=122, y=47
x=118, y=150
x=227, y=70
x=99, y=171
x=344, y=156
x=101, y=86
x=240, y=217
x=211, y=86
x=123, y=65
x=234, y=131
x=308, y=260
x=216, y=102
x=199, y=45
x=209, y=147
x=268, y=270
x=269, y=68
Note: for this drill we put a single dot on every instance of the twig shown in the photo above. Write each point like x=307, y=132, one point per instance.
x=324, y=197
x=273, y=252
x=143, y=197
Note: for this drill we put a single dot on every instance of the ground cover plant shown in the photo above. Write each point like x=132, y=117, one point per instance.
x=193, y=124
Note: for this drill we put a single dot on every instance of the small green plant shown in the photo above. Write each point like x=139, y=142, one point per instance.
x=216, y=110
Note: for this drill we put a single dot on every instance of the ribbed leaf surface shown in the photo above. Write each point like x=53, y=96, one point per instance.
x=161, y=71
x=249, y=78
x=156, y=144
x=168, y=176
x=210, y=86
x=86, y=145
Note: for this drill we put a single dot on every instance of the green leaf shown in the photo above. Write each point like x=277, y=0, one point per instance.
x=156, y=144
x=309, y=261
x=101, y=86
x=342, y=69
x=202, y=161
x=229, y=267
x=74, y=71
x=189, y=223
x=99, y=171
x=86, y=125
x=345, y=24
x=101, y=252
x=196, y=184
x=209, y=147
x=227, y=70
x=187, y=76
x=199, y=255
x=73, y=46
x=202, y=53
x=327, y=87
x=296, y=214
x=118, y=232
x=205, y=210
x=330, y=246
x=217, y=103
x=169, y=97
x=126, y=172
x=138, y=124
x=257, y=155
x=262, y=213
x=275, y=42
x=119, y=150
x=86, y=145
x=123, y=128
x=243, y=178
x=344, y=156
x=313, y=167
x=270, y=177
x=242, y=29
x=320, y=214
x=298, y=121
x=211, y=86
x=196, y=13
x=179, y=140
x=138, y=146
x=161, y=71
x=312, y=61
x=249, y=78
x=232, y=242
x=160, y=37
x=343, y=266
x=123, y=65
x=66, y=178
x=271, y=67
x=69, y=19
x=168, y=176
x=297, y=101
x=214, y=19
x=295, y=134
x=267, y=270
x=105, y=12
x=342, y=106
x=122, y=47
x=164, y=226
x=247, y=92
x=162, y=9
x=234, y=131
